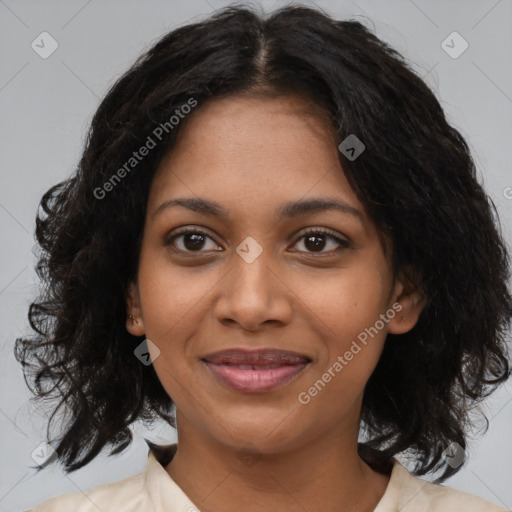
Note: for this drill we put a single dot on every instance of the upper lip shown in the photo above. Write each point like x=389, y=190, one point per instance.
x=260, y=357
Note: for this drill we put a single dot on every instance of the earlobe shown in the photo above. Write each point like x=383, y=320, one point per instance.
x=408, y=303
x=134, y=322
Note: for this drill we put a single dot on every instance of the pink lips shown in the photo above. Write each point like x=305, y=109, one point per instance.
x=255, y=371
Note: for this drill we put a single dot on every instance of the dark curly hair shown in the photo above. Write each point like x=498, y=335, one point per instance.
x=416, y=179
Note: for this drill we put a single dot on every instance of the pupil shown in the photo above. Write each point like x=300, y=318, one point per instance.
x=197, y=241
x=316, y=245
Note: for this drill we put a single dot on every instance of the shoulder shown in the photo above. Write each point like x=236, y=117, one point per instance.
x=128, y=495
x=413, y=494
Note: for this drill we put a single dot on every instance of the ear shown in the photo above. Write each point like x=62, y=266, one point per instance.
x=408, y=302
x=134, y=321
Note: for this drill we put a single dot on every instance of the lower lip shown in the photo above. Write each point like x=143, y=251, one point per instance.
x=255, y=381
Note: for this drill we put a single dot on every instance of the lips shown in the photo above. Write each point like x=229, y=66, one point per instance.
x=259, y=357
x=255, y=371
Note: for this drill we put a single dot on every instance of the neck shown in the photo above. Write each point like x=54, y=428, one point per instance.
x=325, y=473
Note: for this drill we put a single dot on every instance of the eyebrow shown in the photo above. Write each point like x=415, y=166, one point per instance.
x=285, y=211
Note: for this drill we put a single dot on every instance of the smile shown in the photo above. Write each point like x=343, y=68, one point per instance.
x=255, y=378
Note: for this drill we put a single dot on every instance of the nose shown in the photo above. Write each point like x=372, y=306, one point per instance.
x=253, y=296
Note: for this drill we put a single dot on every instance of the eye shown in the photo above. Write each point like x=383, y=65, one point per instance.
x=193, y=240
x=315, y=240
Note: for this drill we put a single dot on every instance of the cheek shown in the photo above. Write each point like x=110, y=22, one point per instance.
x=169, y=294
x=348, y=302
x=347, y=313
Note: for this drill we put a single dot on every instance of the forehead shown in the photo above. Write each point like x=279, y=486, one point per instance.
x=244, y=148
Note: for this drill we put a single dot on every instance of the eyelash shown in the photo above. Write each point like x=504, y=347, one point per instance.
x=310, y=231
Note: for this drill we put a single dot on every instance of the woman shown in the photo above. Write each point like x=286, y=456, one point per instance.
x=277, y=243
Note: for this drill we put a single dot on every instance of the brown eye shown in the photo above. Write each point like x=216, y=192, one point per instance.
x=315, y=241
x=191, y=240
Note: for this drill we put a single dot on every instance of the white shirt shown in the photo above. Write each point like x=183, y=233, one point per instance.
x=154, y=490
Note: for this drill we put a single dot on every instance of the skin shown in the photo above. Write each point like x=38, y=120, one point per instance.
x=250, y=155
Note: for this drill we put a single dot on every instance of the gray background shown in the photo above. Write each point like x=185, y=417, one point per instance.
x=47, y=105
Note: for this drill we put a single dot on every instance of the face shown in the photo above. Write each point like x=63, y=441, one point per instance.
x=251, y=275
